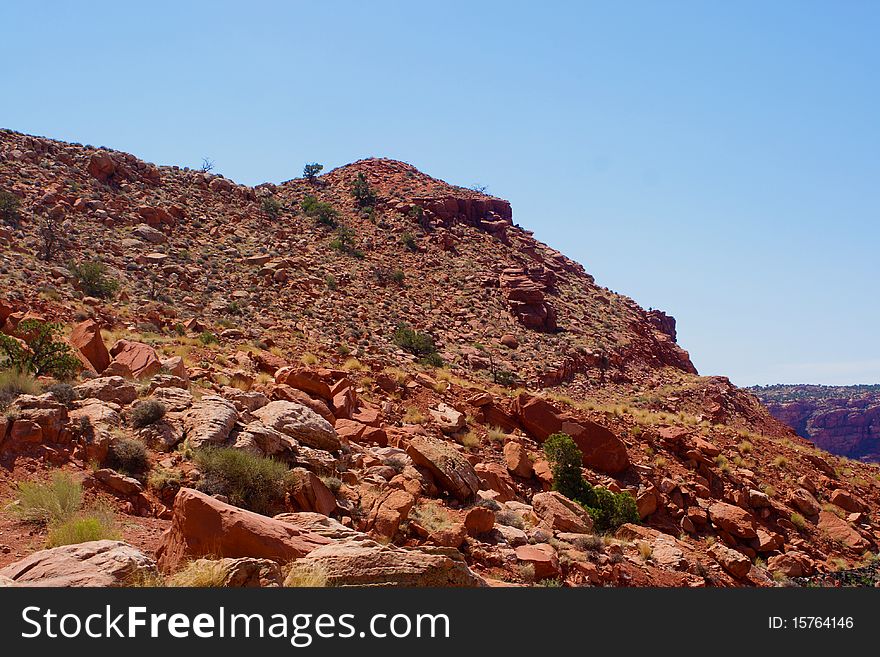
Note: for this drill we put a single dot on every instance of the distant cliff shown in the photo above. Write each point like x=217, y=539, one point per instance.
x=843, y=420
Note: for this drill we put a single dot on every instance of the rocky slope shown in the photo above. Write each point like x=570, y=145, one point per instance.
x=260, y=327
x=843, y=420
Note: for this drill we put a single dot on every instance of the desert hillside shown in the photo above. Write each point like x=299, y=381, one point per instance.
x=291, y=381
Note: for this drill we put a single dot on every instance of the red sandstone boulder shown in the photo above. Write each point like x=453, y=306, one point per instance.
x=517, y=459
x=140, y=358
x=86, y=337
x=542, y=557
x=450, y=469
x=733, y=520
x=203, y=526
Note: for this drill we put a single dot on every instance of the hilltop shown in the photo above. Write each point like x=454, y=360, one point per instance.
x=404, y=350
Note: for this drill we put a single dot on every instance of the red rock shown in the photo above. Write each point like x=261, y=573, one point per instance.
x=509, y=341
x=602, y=450
x=479, y=520
x=495, y=477
x=203, y=526
x=542, y=557
x=344, y=403
x=349, y=430
x=374, y=436
x=449, y=537
x=86, y=337
x=140, y=358
x=367, y=415
x=801, y=500
x=389, y=511
x=791, y=564
x=517, y=459
x=847, y=501
x=449, y=468
x=646, y=502
x=734, y=562
x=309, y=493
x=839, y=530
x=286, y=393
x=561, y=514
x=102, y=167
x=733, y=520
x=305, y=380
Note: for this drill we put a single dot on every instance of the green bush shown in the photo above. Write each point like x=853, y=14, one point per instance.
x=608, y=510
x=129, y=456
x=52, y=502
x=420, y=345
x=311, y=171
x=93, y=280
x=344, y=242
x=44, y=355
x=247, y=480
x=9, y=209
x=323, y=213
x=147, y=412
x=91, y=526
x=409, y=242
x=271, y=206
x=206, y=338
x=362, y=193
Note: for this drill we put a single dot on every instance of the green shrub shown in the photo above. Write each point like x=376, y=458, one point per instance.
x=409, y=242
x=129, y=456
x=93, y=280
x=311, y=171
x=362, y=193
x=206, y=338
x=45, y=354
x=504, y=378
x=91, y=526
x=9, y=209
x=271, y=206
x=52, y=502
x=14, y=383
x=147, y=412
x=420, y=345
x=161, y=479
x=344, y=242
x=247, y=480
x=608, y=510
x=323, y=213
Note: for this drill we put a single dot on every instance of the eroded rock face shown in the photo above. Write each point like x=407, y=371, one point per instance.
x=367, y=563
x=209, y=421
x=96, y=563
x=449, y=468
x=300, y=423
x=562, y=514
x=525, y=297
x=204, y=526
x=113, y=389
x=732, y=519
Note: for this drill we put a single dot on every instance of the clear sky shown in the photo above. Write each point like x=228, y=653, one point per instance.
x=718, y=160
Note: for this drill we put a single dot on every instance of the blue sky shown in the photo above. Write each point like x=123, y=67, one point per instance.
x=717, y=160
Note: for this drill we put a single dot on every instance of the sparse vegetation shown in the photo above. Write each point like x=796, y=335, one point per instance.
x=409, y=242
x=129, y=456
x=798, y=521
x=97, y=525
x=51, y=502
x=608, y=510
x=93, y=280
x=344, y=242
x=303, y=575
x=147, y=412
x=201, y=574
x=45, y=353
x=420, y=345
x=10, y=206
x=362, y=193
x=271, y=207
x=312, y=170
x=324, y=213
x=247, y=480
x=14, y=383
